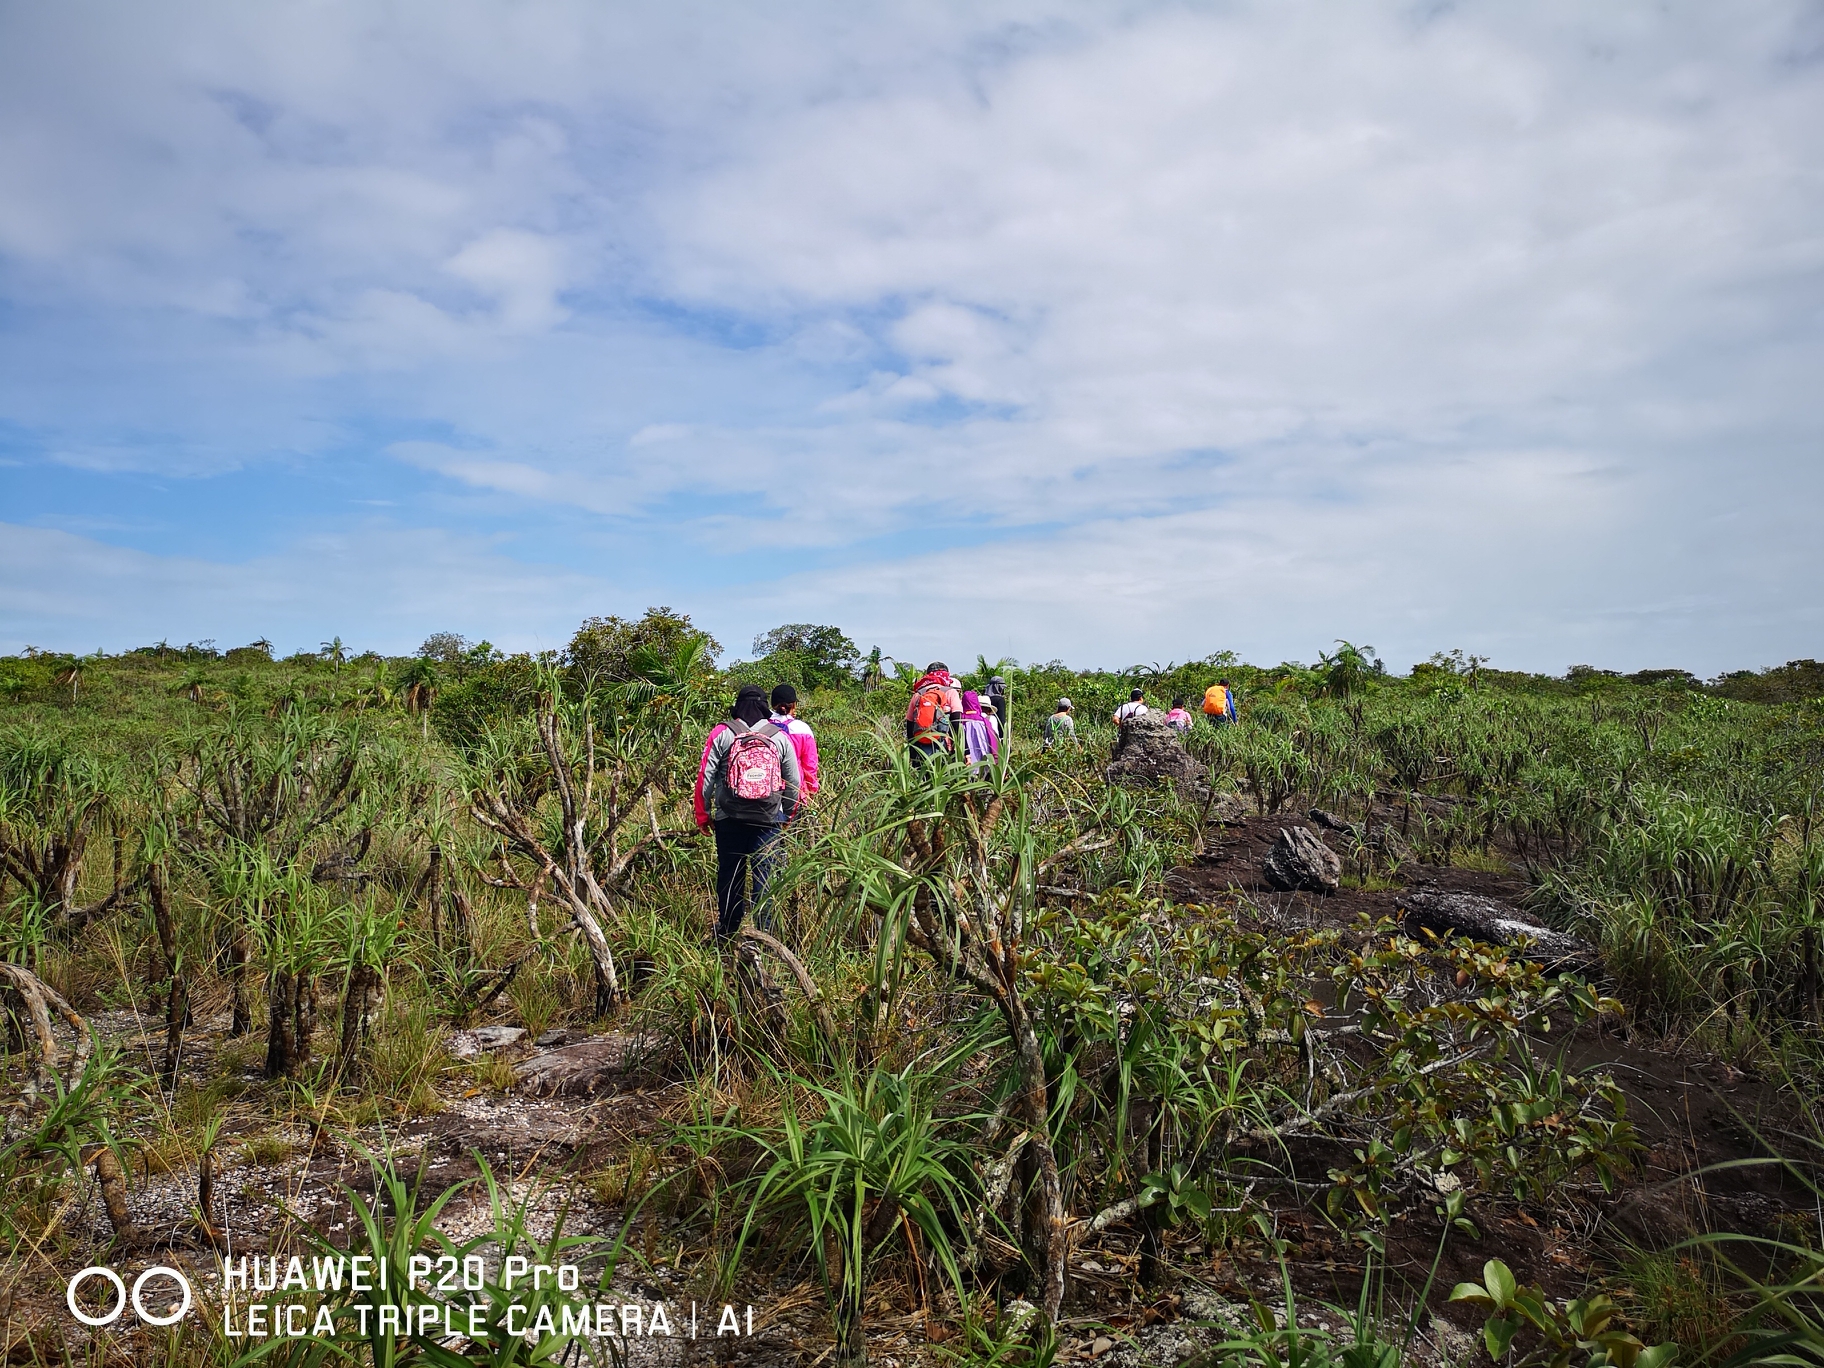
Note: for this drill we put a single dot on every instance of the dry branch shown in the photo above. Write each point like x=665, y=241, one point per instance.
x=806, y=983
x=40, y=1000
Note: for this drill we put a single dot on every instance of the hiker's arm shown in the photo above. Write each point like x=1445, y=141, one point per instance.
x=789, y=771
x=808, y=763
x=696, y=797
x=712, y=774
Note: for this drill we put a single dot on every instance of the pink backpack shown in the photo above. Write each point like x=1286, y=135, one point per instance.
x=753, y=772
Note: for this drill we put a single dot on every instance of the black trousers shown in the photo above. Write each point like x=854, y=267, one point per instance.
x=743, y=849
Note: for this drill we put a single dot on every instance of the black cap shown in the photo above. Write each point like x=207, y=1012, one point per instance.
x=784, y=695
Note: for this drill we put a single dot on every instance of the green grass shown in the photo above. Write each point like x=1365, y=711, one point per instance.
x=1673, y=826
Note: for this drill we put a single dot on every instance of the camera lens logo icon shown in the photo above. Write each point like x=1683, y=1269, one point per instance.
x=122, y=1297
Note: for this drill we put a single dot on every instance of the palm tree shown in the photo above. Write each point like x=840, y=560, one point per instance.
x=380, y=692
x=418, y=685
x=72, y=673
x=335, y=652
x=191, y=685
x=1347, y=672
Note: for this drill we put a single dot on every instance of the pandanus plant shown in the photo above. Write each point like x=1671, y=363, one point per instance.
x=54, y=796
x=579, y=794
x=152, y=864
x=870, y=1163
x=295, y=941
x=951, y=862
x=367, y=932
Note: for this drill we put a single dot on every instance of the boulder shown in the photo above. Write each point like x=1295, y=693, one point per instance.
x=1148, y=753
x=1498, y=923
x=1331, y=822
x=499, y=1037
x=1228, y=809
x=1387, y=847
x=486, y=1040
x=586, y=1067
x=1299, y=860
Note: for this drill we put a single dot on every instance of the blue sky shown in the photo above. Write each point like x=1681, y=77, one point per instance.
x=1109, y=333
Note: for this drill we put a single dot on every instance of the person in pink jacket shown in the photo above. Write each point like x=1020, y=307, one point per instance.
x=799, y=733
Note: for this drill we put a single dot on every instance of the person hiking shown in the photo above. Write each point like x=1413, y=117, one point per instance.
x=997, y=696
x=799, y=733
x=1060, y=726
x=1178, y=719
x=980, y=740
x=1134, y=707
x=751, y=781
x=935, y=713
x=1219, y=703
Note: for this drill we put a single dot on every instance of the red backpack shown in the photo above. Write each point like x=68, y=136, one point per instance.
x=752, y=770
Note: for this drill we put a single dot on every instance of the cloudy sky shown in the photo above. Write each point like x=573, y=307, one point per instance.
x=1107, y=332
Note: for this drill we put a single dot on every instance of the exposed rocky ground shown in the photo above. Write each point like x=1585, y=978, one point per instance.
x=1693, y=1113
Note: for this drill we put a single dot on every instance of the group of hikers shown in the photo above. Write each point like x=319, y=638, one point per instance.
x=1218, y=708
x=759, y=766
x=942, y=717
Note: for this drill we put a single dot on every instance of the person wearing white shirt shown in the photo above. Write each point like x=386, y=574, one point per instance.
x=1134, y=707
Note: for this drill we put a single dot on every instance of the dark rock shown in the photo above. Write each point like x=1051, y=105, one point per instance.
x=1299, y=860
x=486, y=1040
x=586, y=1067
x=1148, y=753
x=1497, y=923
x=1331, y=822
x=1228, y=809
x=557, y=1035
x=1388, y=849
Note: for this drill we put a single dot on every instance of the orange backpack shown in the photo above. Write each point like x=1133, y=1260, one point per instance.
x=926, y=707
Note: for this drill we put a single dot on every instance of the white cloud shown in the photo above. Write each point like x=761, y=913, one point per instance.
x=1101, y=284
x=1533, y=557
x=377, y=586
x=521, y=271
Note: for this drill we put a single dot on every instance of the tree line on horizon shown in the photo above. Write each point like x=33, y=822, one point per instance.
x=813, y=656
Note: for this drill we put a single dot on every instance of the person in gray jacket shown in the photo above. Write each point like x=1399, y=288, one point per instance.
x=750, y=776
